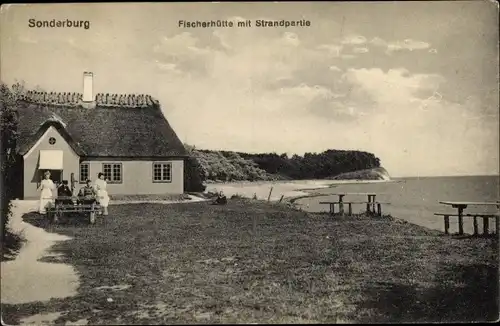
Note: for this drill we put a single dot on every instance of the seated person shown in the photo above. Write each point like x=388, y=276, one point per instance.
x=64, y=191
x=220, y=200
x=87, y=194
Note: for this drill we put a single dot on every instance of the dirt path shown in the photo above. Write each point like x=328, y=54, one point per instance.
x=26, y=279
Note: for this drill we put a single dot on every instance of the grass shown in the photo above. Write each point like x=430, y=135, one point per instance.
x=11, y=244
x=252, y=261
x=150, y=197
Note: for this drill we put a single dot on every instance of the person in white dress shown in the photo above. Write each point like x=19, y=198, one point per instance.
x=46, y=195
x=102, y=193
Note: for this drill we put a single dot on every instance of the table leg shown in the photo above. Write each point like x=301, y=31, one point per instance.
x=92, y=214
x=460, y=221
x=475, y=225
x=486, y=221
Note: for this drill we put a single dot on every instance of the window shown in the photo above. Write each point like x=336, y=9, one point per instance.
x=112, y=172
x=84, y=172
x=52, y=140
x=162, y=172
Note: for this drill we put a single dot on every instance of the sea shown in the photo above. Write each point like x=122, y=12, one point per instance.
x=414, y=199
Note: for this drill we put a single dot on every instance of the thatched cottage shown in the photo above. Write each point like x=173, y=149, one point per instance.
x=76, y=136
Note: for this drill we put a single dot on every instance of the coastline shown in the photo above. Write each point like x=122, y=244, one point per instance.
x=289, y=188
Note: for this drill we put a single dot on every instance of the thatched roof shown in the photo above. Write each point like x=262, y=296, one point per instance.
x=101, y=131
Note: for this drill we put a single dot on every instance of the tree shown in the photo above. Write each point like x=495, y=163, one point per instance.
x=9, y=135
x=194, y=174
x=226, y=165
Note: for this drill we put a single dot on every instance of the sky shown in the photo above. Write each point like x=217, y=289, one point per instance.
x=415, y=83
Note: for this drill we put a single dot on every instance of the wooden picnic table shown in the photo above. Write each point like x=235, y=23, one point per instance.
x=370, y=195
x=74, y=204
x=370, y=203
x=461, y=206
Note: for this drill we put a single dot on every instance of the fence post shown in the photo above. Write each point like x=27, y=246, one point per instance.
x=281, y=198
x=379, y=209
x=350, y=209
x=269, y=197
x=475, y=225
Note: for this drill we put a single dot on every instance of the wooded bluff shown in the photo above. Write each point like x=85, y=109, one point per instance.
x=211, y=165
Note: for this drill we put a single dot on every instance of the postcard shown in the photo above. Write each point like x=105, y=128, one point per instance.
x=259, y=162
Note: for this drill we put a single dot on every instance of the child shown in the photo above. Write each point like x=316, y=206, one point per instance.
x=64, y=191
x=87, y=193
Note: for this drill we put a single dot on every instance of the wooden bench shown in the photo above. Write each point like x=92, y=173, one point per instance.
x=62, y=207
x=485, y=217
x=370, y=206
x=461, y=206
x=370, y=203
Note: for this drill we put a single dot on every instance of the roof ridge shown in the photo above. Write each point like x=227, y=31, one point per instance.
x=128, y=100
x=54, y=118
x=101, y=99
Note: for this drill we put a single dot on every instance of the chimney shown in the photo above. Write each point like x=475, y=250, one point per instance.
x=88, y=100
x=88, y=95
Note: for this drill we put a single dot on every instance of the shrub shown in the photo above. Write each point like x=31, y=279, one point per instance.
x=193, y=176
x=8, y=124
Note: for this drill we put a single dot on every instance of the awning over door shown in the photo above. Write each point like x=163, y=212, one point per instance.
x=51, y=160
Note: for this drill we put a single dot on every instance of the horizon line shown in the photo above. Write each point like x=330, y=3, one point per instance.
x=447, y=176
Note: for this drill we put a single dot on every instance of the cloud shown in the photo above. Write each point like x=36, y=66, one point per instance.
x=308, y=92
x=433, y=51
x=407, y=44
x=274, y=84
x=183, y=52
x=223, y=42
x=377, y=41
x=168, y=67
x=332, y=50
x=335, y=68
x=266, y=87
x=360, y=50
x=401, y=110
x=291, y=39
x=347, y=56
x=354, y=40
